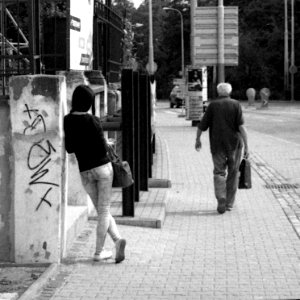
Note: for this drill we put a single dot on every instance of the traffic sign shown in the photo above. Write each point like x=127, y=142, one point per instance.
x=154, y=67
x=293, y=69
x=206, y=36
x=178, y=81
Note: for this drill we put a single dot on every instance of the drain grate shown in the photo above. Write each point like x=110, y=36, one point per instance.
x=282, y=186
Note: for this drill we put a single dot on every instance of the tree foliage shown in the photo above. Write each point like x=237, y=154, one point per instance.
x=261, y=43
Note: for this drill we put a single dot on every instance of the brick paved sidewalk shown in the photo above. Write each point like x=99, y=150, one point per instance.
x=251, y=252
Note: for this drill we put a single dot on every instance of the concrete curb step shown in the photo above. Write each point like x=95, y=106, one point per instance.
x=33, y=291
x=155, y=219
x=159, y=183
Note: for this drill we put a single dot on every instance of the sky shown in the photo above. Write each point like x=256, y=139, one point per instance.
x=136, y=3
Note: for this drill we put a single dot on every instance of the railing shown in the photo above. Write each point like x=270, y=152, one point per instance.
x=19, y=53
x=108, y=34
x=22, y=52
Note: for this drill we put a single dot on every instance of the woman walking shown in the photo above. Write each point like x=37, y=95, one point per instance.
x=84, y=137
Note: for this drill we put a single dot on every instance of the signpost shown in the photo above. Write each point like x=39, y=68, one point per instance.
x=214, y=42
x=196, y=93
x=206, y=36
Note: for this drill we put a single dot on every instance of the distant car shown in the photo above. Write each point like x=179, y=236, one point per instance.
x=176, y=97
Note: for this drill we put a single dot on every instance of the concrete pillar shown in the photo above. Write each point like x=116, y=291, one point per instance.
x=250, y=93
x=77, y=196
x=264, y=96
x=37, y=107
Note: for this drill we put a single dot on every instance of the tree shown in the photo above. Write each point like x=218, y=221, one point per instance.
x=261, y=44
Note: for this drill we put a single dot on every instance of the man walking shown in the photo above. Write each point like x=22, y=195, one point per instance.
x=227, y=135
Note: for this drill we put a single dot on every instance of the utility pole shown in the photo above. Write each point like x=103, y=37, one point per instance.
x=221, y=60
x=286, y=49
x=150, y=58
x=193, y=7
x=293, y=68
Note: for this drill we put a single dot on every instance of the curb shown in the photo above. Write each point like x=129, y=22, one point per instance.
x=159, y=183
x=33, y=290
x=150, y=222
x=144, y=222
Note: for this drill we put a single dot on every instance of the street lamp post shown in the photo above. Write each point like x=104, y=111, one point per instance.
x=286, y=49
x=151, y=55
x=221, y=62
x=293, y=67
x=182, y=40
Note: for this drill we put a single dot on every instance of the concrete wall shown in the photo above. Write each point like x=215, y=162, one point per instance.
x=5, y=174
x=38, y=104
x=76, y=193
x=77, y=196
x=31, y=175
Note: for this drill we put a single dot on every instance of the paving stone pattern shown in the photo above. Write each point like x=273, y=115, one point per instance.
x=251, y=252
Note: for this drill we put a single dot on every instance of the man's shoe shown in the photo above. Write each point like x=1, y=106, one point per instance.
x=120, y=250
x=104, y=254
x=221, y=206
x=228, y=207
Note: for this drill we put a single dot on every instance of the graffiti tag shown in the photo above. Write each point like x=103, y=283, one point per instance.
x=39, y=156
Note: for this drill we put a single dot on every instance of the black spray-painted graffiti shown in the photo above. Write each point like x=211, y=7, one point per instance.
x=40, y=155
x=36, y=119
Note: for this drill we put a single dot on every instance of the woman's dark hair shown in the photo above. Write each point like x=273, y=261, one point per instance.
x=82, y=99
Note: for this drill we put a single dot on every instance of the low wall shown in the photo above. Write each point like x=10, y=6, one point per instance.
x=32, y=107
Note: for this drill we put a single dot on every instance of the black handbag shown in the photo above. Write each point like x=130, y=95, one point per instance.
x=122, y=172
x=245, y=174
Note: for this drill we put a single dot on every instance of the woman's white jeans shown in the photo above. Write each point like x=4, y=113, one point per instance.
x=98, y=184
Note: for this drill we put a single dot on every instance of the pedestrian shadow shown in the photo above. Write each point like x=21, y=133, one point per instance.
x=192, y=213
x=87, y=261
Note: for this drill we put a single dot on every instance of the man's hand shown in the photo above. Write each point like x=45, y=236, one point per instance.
x=198, y=145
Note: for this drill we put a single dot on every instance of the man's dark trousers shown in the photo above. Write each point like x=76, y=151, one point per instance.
x=226, y=164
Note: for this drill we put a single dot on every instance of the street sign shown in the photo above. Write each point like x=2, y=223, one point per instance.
x=178, y=81
x=154, y=67
x=293, y=69
x=206, y=36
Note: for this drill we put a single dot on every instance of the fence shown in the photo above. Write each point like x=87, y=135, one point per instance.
x=19, y=39
x=34, y=37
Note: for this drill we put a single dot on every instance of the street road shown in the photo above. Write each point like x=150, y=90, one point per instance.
x=280, y=120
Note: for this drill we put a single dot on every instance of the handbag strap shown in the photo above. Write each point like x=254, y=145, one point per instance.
x=112, y=155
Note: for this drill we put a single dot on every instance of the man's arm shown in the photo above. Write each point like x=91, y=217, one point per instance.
x=243, y=132
x=203, y=126
x=198, y=141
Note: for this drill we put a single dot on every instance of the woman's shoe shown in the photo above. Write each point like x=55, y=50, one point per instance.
x=104, y=254
x=120, y=250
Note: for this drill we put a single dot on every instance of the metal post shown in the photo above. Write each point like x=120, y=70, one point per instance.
x=221, y=61
x=151, y=56
x=286, y=49
x=32, y=35
x=149, y=128
x=68, y=54
x=144, y=134
x=292, y=52
x=136, y=148
x=193, y=6
x=128, y=137
x=182, y=46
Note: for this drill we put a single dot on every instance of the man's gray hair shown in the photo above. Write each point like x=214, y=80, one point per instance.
x=224, y=89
